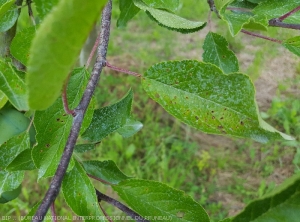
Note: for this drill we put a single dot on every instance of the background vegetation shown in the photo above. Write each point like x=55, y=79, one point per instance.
x=222, y=174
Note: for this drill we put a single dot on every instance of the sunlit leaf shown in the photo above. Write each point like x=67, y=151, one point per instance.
x=80, y=194
x=53, y=126
x=55, y=49
x=4, y=8
x=105, y=170
x=13, y=122
x=170, y=20
x=152, y=199
x=128, y=11
x=171, y=5
x=8, y=17
x=10, y=185
x=13, y=86
x=130, y=128
x=108, y=119
x=202, y=96
x=13, y=147
x=216, y=51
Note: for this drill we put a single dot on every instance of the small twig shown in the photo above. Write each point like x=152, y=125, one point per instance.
x=122, y=70
x=98, y=179
x=78, y=118
x=261, y=36
x=93, y=51
x=211, y=4
x=65, y=98
x=105, y=214
x=281, y=18
x=122, y=207
x=213, y=8
x=53, y=213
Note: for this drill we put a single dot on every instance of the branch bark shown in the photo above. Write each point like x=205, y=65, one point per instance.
x=122, y=207
x=79, y=115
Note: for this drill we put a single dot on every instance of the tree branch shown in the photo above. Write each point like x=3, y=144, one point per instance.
x=122, y=207
x=277, y=23
x=79, y=115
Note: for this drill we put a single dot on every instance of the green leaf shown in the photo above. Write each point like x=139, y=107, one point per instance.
x=105, y=170
x=43, y=7
x=55, y=49
x=53, y=126
x=235, y=21
x=10, y=183
x=274, y=9
x=130, y=128
x=81, y=148
x=108, y=119
x=151, y=198
x=202, y=96
x=257, y=23
x=6, y=7
x=282, y=204
x=216, y=51
x=256, y=1
x=20, y=45
x=171, y=5
x=220, y=4
x=128, y=11
x=10, y=195
x=13, y=122
x=242, y=4
x=13, y=147
x=9, y=18
x=3, y=99
x=80, y=195
x=13, y=86
x=170, y=20
x=22, y=162
x=293, y=45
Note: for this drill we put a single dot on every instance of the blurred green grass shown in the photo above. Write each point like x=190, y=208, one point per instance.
x=222, y=176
